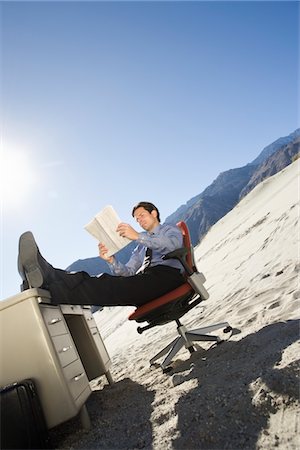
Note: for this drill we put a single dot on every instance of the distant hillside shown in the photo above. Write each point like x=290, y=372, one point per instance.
x=273, y=164
x=206, y=208
x=95, y=265
x=272, y=148
x=214, y=202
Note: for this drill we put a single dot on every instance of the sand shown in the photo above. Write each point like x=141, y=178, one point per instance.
x=242, y=394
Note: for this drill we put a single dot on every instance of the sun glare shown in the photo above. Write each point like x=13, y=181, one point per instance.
x=17, y=177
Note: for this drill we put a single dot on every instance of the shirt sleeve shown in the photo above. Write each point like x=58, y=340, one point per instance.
x=167, y=239
x=162, y=241
x=130, y=268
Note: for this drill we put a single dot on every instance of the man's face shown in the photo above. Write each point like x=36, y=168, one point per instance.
x=148, y=221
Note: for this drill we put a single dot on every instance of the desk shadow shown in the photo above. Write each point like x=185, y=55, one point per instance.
x=120, y=419
x=224, y=412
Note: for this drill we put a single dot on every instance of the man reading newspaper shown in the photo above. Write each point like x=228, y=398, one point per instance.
x=144, y=277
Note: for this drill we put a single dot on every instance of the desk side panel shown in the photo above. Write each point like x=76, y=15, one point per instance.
x=27, y=351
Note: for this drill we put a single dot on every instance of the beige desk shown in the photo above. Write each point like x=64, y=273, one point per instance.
x=59, y=347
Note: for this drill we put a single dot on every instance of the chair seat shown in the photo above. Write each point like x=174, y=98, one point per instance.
x=177, y=293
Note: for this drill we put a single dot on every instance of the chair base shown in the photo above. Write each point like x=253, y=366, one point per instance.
x=186, y=338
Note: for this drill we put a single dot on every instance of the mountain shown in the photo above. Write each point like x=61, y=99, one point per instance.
x=214, y=202
x=208, y=207
x=276, y=145
x=204, y=210
x=273, y=164
x=96, y=265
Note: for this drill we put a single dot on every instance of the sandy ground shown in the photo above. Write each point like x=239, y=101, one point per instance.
x=242, y=394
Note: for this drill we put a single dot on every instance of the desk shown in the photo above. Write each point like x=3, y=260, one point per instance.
x=59, y=347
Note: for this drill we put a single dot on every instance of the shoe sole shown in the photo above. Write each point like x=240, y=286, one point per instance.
x=28, y=253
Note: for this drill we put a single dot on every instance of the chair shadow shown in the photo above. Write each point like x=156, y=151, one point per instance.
x=223, y=412
x=120, y=419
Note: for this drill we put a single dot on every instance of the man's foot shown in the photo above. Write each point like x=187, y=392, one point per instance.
x=32, y=267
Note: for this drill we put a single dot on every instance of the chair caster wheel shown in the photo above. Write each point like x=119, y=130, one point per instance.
x=191, y=349
x=154, y=366
x=227, y=329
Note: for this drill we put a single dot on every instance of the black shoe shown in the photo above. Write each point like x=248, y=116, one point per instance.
x=33, y=268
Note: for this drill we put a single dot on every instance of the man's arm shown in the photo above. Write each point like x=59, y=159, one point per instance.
x=168, y=238
x=119, y=268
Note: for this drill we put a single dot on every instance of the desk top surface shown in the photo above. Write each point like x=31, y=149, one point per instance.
x=39, y=294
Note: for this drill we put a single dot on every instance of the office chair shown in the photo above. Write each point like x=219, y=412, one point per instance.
x=173, y=305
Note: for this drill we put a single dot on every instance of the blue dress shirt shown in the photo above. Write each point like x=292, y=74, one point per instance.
x=162, y=240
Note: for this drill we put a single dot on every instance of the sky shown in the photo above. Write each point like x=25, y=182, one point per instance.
x=111, y=103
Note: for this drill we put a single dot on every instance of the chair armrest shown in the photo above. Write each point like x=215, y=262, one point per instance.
x=177, y=254
x=196, y=280
x=180, y=254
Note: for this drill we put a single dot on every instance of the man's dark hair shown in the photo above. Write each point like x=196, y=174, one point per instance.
x=148, y=207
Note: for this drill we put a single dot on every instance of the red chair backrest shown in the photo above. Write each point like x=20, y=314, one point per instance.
x=187, y=243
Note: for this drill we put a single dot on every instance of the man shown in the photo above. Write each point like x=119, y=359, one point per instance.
x=144, y=277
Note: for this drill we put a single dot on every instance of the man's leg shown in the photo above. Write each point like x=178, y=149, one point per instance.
x=81, y=288
x=109, y=290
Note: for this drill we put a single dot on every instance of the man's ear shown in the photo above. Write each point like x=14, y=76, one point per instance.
x=154, y=213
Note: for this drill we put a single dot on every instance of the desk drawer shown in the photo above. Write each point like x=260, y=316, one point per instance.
x=76, y=378
x=54, y=320
x=65, y=349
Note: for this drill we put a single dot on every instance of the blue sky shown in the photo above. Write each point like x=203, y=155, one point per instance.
x=117, y=102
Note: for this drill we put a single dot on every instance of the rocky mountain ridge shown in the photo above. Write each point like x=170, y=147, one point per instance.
x=202, y=211
x=273, y=164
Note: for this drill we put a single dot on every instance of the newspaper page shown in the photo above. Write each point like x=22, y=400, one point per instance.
x=103, y=227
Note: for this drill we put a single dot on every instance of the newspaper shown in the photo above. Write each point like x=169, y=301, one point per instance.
x=103, y=227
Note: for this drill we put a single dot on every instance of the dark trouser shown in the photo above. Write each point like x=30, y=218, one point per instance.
x=109, y=290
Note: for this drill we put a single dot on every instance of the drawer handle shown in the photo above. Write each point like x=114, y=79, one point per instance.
x=79, y=376
x=65, y=349
x=53, y=321
x=95, y=333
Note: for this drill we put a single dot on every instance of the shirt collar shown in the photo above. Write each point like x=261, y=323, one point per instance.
x=155, y=230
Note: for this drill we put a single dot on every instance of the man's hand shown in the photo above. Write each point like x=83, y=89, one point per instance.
x=127, y=231
x=103, y=253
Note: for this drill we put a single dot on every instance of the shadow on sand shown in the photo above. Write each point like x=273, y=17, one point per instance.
x=224, y=412
x=240, y=384
x=120, y=419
